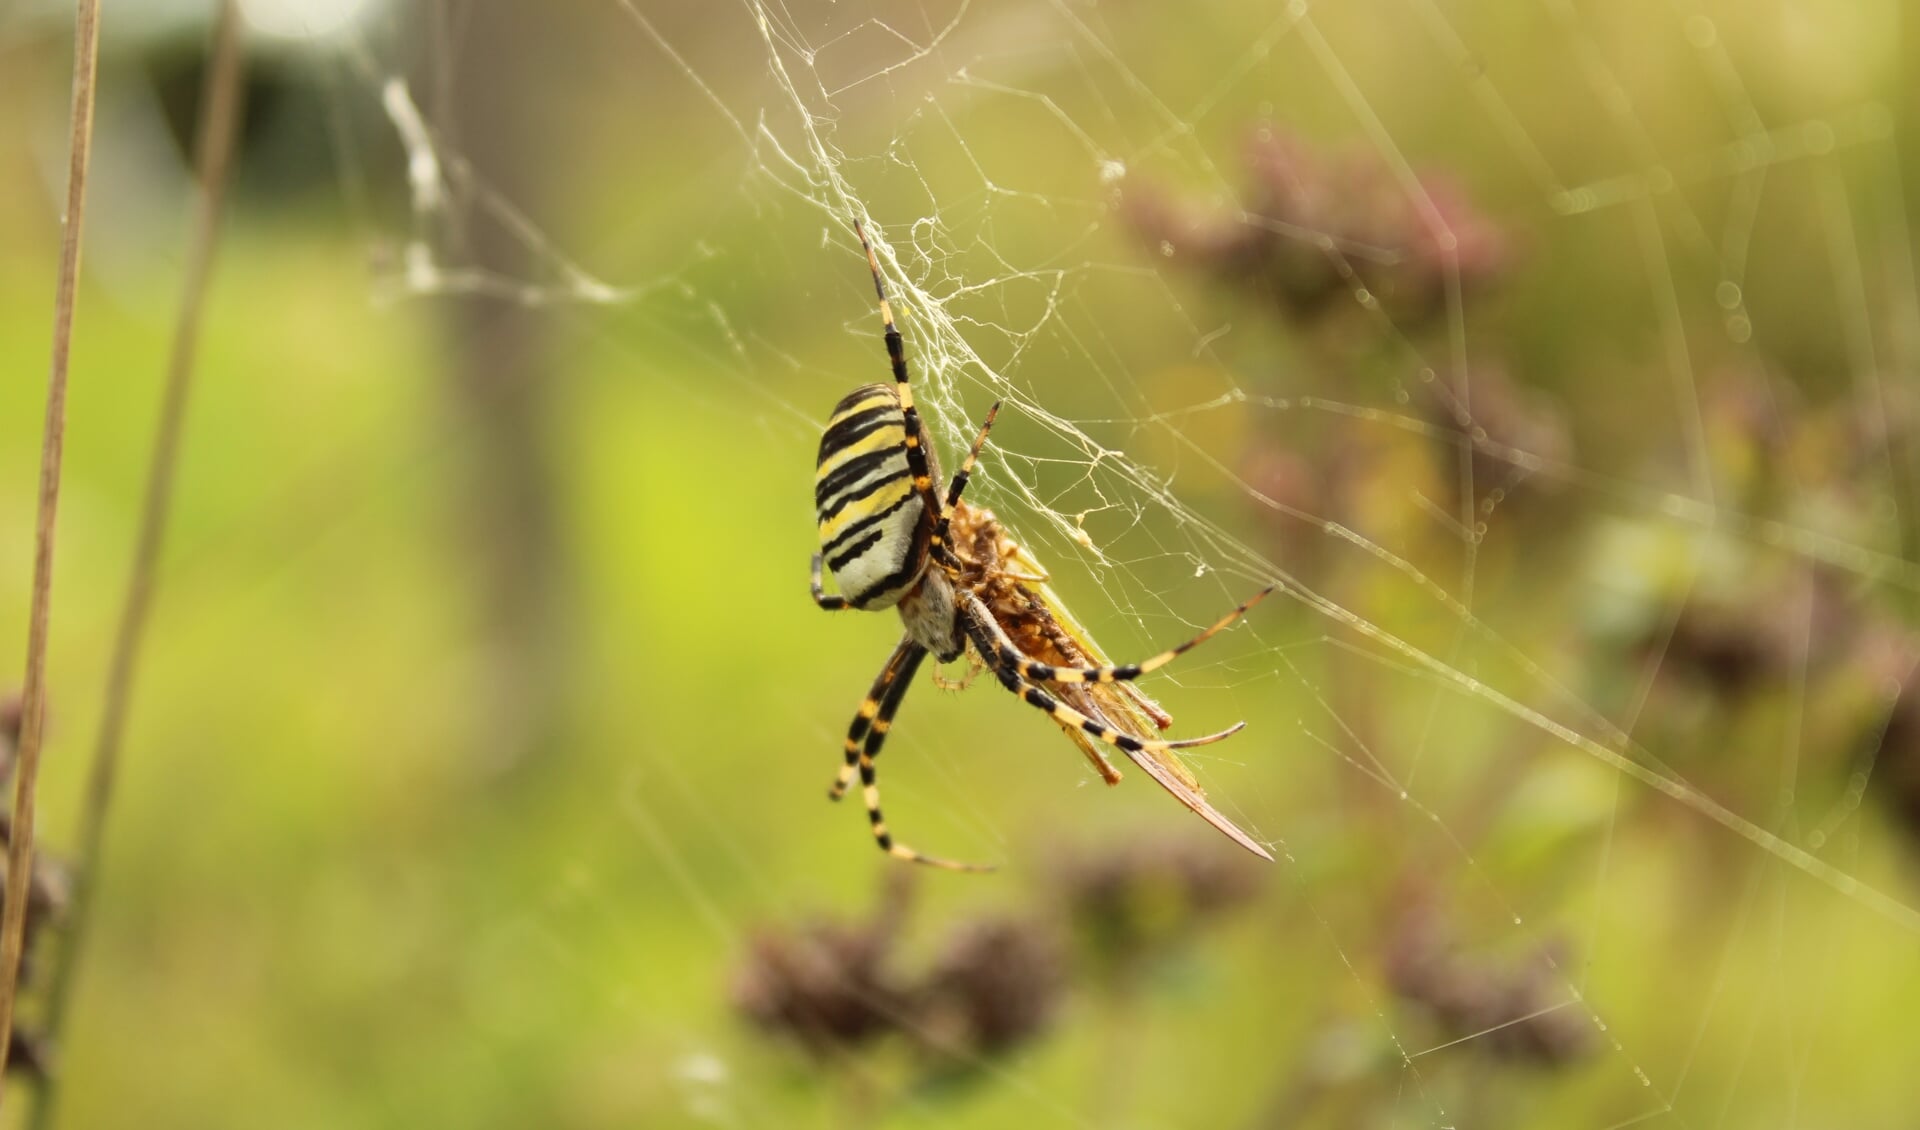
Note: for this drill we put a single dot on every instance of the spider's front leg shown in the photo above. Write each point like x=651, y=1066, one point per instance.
x=942, y=552
x=1008, y=655
x=959, y=484
x=982, y=632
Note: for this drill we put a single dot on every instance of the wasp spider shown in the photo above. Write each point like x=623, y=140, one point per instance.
x=959, y=580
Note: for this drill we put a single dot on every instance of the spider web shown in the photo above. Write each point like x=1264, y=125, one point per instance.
x=1700, y=223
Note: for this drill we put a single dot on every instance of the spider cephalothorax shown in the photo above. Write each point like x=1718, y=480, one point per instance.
x=959, y=581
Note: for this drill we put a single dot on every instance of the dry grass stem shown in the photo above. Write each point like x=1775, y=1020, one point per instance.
x=13, y=927
x=220, y=107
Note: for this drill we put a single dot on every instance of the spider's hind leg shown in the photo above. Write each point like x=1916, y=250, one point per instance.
x=864, y=739
x=886, y=841
x=875, y=716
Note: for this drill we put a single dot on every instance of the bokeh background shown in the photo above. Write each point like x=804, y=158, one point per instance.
x=1558, y=359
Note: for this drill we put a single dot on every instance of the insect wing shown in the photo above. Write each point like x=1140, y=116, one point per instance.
x=1174, y=778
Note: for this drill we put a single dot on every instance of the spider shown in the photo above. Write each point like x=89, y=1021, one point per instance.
x=959, y=580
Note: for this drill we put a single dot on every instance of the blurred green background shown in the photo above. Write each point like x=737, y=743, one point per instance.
x=1559, y=358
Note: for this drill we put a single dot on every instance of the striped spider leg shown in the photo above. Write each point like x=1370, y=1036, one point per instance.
x=865, y=737
x=1005, y=654
x=919, y=454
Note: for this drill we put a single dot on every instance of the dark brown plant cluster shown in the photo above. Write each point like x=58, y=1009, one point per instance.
x=1890, y=735
x=1499, y=1006
x=834, y=986
x=1743, y=562
x=827, y=984
x=995, y=983
x=1734, y=642
x=1428, y=484
x=1509, y=434
x=47, y=901
x=1318, y=233
x=1716, y=623
x=1139, y=901
x=1518, y=1009
x=1104, y=928
x=1725, y=628
x=1316, y=227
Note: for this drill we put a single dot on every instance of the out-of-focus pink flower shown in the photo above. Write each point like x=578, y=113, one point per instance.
x=1317, y=226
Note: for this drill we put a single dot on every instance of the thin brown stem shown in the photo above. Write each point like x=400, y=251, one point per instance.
x=13, y=925
x=220, y=109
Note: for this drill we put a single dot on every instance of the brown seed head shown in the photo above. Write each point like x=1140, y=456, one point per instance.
x=828, y=984
x=1520, y=1009
x=1317, y=226
x=1134, y=903
x=996, y=986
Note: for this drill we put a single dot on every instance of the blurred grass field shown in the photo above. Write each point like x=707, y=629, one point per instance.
x=325, y=904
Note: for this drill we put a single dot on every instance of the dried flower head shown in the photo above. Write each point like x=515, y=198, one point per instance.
x=12, y=716
x=1316, y=226
x=1510, y=430
x=1510, y=1009
x=1285, y=500
x=50, y=892
x=996, y=986
x=1729, y=648
x=828, y=984
x=1742, y=637
x=28, y=1054
x=48, y=896
x=1134, y=903
x=1890, y=658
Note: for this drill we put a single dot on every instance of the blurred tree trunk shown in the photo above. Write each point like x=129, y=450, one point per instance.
x=488, y=65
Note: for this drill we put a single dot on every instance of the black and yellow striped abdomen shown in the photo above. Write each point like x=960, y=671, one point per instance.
x=874, y=527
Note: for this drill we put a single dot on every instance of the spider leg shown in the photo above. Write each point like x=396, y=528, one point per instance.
x=820, y=597
x=917, y=462
x=1056, y=708
x=1031, y=670
x=864, y=739
x=982, y=637
x=959, y=484
x=887, y=844
x=938, y=543
x=876, y=711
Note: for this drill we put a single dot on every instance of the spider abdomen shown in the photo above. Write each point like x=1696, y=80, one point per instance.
x=874, y=528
